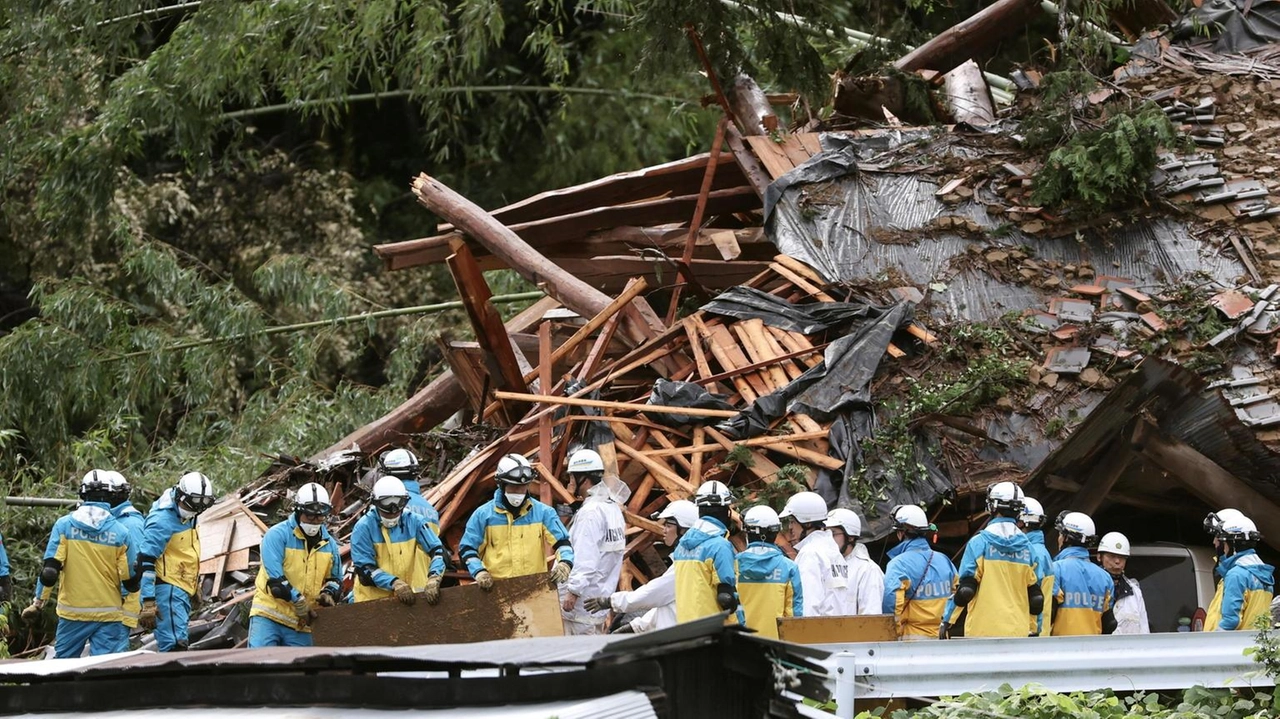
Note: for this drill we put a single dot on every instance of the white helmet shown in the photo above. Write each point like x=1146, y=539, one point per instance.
x=95, y=486
x=400, y=462
x=194, y=492
x=1114, y=543
x=312, y=498
x=119, y=487
x=1076, y=525
x=847, y=520
x=1215, y=520
x=1032, y=515
x=713, y=494
x=1238, y=529
x=586, y=461
x=389, y=495
x=762, y=518
x=682, y=510
x=514, y=469
x=806, y=507
x=1004, y=497
x=910, y=518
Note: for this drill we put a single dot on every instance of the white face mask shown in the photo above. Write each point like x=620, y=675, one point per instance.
x=515, y=499
x=185, y=514
x=389, y=522
x=310, y=530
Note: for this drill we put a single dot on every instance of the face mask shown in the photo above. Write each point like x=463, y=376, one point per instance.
x=184, y=514
x=389, y=522
x=515, y=499
x=310, y=530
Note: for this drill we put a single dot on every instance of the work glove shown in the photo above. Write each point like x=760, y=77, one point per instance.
x=148, y=615
x=404, y=592
x=560, y=572
x=432, y=592
x=484, y=579
x=302, y=608
x=944, y=631
x=624, y=628
x=33, y=610
x=596, y=604
x=326, y=600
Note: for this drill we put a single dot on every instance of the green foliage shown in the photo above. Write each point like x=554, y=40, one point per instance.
x=1036, y=702
x=1108, y=166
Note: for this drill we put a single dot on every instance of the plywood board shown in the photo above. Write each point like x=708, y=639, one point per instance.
x=515, y=608
x=831, y=630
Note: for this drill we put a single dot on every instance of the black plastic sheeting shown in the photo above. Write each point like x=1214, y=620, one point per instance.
x=1234, y=25
x=828, y=212
x=684, y=394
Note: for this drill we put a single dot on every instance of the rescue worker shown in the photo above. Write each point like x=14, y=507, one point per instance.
x=169, y=560
x=6, y=579
x=403, y=465
x=598, y=538
x=393, y=550
x=1082, y=603
x=1212, y=522
x=133, y=521
x=504, y=537
x=1031, y=522
x=997, y=589
x=658, y=596
x=866, y=578
x=89, y=557
x=301, y=568
x=1248, y=583
x=823, y=571
x=1130, y=609
x=706, y=576
x=917, y=580
x=768, y=582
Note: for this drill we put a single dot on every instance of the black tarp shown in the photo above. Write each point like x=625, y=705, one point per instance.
x=1234, y=25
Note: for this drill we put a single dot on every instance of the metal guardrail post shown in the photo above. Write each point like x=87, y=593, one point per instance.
x=846, y=689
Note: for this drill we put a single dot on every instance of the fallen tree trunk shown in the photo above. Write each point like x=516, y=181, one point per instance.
x=972, y=38
x=751, y=107
x=969, y=96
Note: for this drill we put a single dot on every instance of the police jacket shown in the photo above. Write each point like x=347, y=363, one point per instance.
x=769, y=587
x=917, y=583
x=1042, y=561
x=133, y=521
x=999, y=559
x=1084, y=593
x=598, y=538
x=170, y=550
x=91, y=551
x=704, y=560
x=294, y=567
x=508, y=543
x=1243, y=595
x=381, y=555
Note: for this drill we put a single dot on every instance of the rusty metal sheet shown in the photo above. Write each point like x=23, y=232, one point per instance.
x=516, y=608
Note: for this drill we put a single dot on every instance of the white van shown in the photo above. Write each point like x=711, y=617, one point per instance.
x=1176, y=580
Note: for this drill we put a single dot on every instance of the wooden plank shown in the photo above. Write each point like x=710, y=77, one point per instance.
x=794, y=149
x=596, y=355
x=221, y=571
x=762, y=467
x=726, y=351
x=515, y=608
x=798, y=354
x=726, y=243
x=826, y=630
x=661, y=439
x=774, y=159
x=763, y=441
x=634, y=288
x=546, y=459
x=675, y=485
x=695, y=462
x=811, y=142
x=754, y=341
x=750, y=165
x=807, y=455
x=739, y=382
x=648, y=525
x=684, y=276
x=800, y=268
x=802, y=283
x=604, y=404
x=552, y=484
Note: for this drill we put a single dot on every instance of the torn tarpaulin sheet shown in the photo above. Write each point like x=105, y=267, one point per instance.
x=746, y=303
x=841, y=381
x=1234, y=25
x=683, y=394
x=589, y=434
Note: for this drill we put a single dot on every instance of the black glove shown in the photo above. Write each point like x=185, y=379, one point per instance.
x=944, y=631
x=726, y=597
x=624, y=629
x=596, y=604
x=1035, y=599
x=966, y=589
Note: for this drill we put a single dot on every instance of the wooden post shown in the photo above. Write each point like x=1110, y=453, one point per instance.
x=686, y=260
x=545, y=456
x=972, y=38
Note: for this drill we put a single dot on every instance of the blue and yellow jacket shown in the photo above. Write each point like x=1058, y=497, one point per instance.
x=917, y=583
x=1243, y=595
x=170, y=550
x=418, y=504
x=4, y=559
x=92, y=553
x=999, y=559
x=294, y=567
x=408, y=551
x=769, y=587
x=132, y=520
x=1084, y=593
x=510, y=545
x=704, y=559
x=1042, y=561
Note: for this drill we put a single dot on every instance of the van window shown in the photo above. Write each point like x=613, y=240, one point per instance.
x=1168, y=587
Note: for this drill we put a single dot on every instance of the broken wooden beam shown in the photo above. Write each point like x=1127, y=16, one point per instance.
x=968, y=95
x=975, y=37
x=605, y=404
x=751, y=107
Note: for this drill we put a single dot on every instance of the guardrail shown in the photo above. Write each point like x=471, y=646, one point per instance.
x=883, y=670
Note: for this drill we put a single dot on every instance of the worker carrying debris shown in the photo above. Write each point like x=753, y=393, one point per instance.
x=997, y=589
x=823, y=570
x=169, y=560
x=133, y=521
x=394, y=551
x=404, y=466
x=1245, y=592
x=1130, y=609
x=917, y=580
x=706, y=577
x=865, y=592
x=658, y=596
x=1031, y=522
x=598, y=537
x=504, y=536
x=768, y=582
x=89, y=557
x=1082, y=601
x=301, y=568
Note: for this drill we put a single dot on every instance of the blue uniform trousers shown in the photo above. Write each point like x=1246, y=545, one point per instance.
x=265, y=633
x=173, y=609
x=102, y=638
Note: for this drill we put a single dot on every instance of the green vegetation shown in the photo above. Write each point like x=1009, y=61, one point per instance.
x=1034, y=702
